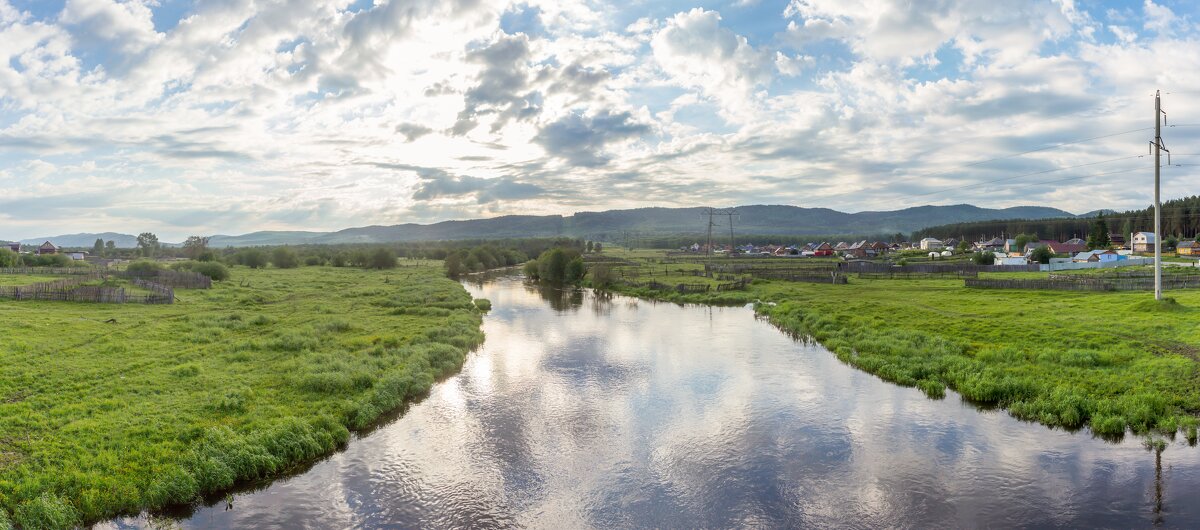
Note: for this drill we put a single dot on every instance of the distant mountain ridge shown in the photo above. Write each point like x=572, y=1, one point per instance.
x=754, y=219
x=85, y=240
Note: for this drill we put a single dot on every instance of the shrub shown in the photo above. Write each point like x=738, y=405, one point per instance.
x=382, y=258
x=984, y=258
x=8, y=258
x=212, y=269
x=284, y=258
x=253, y=258
x=186, y=370
x=483, y=304
x=314, y=261
x=143, y=268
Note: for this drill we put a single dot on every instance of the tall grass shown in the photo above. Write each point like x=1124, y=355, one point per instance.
x=244, y=382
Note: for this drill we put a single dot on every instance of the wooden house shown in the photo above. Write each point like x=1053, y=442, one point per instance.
x=1187, y=248
x=1144, y=242
x=47, y=248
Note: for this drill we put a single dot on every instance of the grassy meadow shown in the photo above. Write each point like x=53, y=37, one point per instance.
x=1112, y=361
x=268, y=370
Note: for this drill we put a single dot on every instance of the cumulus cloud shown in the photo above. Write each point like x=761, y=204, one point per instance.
x=308, y=115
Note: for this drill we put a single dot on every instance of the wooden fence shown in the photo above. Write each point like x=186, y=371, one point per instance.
x=177, y=279
x=1084, y=283
x=860, y=266
x=739, y=285
x=900, y=275
x=832, y=277
x=72, y=290
x=49, y=271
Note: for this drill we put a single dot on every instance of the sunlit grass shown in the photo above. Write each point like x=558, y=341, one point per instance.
x=264, y=371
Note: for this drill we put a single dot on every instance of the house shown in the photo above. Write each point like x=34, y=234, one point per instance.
x=950, y=243
x=841, y=246
x=1092, y=256
x=857, y=250
x=15, y=247
x=77, y=256
x=1011, y=260
x=1187, y=248
x=931, y=243
x=878, y=248
x=994, y=244
x=1010, y=246
x=1069, y=247
x=47, y=248
x=824, y=249
x=1117, y=240
x=1144, y=242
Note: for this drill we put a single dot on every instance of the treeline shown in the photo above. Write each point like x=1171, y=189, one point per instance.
x=1180, y=218
x=492, y=255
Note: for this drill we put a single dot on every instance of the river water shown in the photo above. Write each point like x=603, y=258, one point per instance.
x=590, y=411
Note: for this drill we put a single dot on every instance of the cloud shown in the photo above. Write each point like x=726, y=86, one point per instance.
x=581, y=140
x=438, y=184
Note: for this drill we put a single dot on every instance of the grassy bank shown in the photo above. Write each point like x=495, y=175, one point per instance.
x=266, y=371
x=1109, y=361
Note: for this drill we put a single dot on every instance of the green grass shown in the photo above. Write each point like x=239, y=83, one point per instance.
x=1111, y=361
x=266, y=371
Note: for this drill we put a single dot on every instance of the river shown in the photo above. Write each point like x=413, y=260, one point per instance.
x=591, y=411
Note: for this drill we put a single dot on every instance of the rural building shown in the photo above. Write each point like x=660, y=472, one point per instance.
x=992, y=245
x=1144, y=242
x=47, y=248
x=1070, y=247
x=857, y=250
x=15, y=247
x=1187, y=248
x=1102, y=256
x=824, y=249
x=1117, y=240
x=930, y=243
x=77, y=256
x=1011, y=260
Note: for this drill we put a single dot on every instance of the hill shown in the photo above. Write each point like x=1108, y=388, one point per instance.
x=85, y=240
x=609, y=225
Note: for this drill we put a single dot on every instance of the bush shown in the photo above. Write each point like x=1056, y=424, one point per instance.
x=49, y=260
x=8, y=258
x=984, y=258
x=1042, y=254
x=144, y=268
x=314, y=261
x=382, y=258
x=284, y=258
x=483, y=304
x=212, y=269
x=253, y=258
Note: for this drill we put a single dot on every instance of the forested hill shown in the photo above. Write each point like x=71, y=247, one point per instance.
x=1180, y=217
x=611, y=225
x=614, y=225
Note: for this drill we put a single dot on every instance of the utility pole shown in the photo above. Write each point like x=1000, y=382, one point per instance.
x=1158, y=237
x=710, y=212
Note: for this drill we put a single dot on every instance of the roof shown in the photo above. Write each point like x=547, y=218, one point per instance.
x=1075, y=241
x=931, y=240
x=1149, y=236
x=1067, y=248
x=1187, y=244
x=1090, y=253
x=47, y=245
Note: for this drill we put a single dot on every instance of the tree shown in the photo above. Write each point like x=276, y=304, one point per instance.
x=596, y=247
x=984, y=258
x=574, y=271
x=194, y=246
x=284, y=258
x=253, y=258
x=98, y=247
x=1098, y=238
x=148, y=244
x=1042, y=254
x=456, y=263
x=382, y=258
x=110, y=247
x=590, y=246
x=963, y=246
x=1025, y=239
x=9, y=258
x=1170, y=242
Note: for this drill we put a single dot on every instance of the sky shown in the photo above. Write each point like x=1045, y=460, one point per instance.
x=201, y=117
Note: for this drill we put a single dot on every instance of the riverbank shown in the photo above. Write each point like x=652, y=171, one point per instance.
x=1108, y=361
x=165, y=404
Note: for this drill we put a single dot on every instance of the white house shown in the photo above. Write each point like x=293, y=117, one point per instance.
x=1144, y=242
x=930, y=243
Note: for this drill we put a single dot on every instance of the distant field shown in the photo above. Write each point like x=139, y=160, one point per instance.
x=264, y=371
x=1109, y=360
x=8, y=280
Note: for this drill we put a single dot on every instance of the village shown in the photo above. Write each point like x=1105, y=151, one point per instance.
x=1073, y=253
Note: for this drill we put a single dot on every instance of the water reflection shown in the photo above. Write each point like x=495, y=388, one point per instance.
x=585, y=410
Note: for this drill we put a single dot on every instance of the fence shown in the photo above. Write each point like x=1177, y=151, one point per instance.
x=861, y=266
x=900, y=275
x=794, y=276
x=73, y=290
x=1063, y=265
x=178, y=279
x=50, y=271
x=1085, y=284
x=739, y=285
